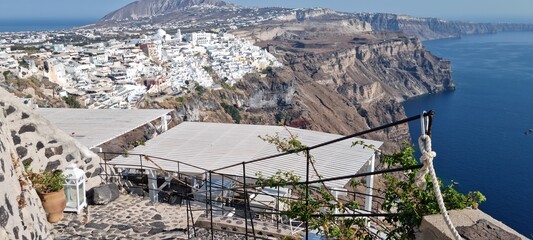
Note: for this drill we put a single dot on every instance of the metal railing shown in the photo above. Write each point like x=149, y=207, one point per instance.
x=238, y=194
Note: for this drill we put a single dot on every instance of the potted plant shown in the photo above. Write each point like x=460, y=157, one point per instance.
x=49, y=186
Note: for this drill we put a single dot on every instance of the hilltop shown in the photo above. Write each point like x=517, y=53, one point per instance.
x=150, y=8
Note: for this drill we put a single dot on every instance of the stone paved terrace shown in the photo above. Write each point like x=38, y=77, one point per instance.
x=128, y=217
x=134, y=217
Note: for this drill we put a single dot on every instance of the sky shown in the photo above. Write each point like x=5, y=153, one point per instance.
x=469, y=10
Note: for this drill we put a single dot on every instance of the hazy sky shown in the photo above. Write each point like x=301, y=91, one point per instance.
x=477, y=10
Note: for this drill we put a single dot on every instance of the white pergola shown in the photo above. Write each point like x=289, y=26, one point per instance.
x=213, y=146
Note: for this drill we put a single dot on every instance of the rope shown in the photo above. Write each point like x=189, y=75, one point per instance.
x=426, y=159
x=424, y=142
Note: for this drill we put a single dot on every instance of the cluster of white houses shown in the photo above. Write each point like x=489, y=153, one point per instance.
x=116, y=74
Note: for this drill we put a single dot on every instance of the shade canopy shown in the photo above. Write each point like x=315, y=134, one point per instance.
x=93, y=127
x=216, y=145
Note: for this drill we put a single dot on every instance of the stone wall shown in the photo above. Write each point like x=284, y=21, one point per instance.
x=41, y=145
x=21, y=212
x=28, y=139
x=470, y=223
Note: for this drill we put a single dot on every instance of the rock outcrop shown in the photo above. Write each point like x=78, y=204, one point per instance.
x=104, y=194
x=470, y=223
x=345, y=86
x=434, y=28
x=316, y=28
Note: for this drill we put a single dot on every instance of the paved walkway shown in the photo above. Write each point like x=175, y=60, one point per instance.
x=128, y=217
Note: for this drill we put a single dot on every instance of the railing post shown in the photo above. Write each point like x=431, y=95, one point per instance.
x=142, y=172
x=141, y=161
x=105, y=169
x=192, y=216
x=222, y=187
x=245, y=199
x=308, y=158
x=370, y=186
x=211, y=204
x=153, y=189
x=188, y=226
x=206, y=202
x=278, y=210
x=223, y=198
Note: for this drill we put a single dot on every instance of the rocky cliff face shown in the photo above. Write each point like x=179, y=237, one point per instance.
x=338, y=85
x=348, y=88
x=433, y=28
x=310, y=28
x=151, y=8
x=405, y=67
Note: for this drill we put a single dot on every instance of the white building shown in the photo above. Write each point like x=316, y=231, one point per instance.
x=198, y=38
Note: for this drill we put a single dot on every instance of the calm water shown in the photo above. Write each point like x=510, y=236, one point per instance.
x=41, y=25
x=479, y=129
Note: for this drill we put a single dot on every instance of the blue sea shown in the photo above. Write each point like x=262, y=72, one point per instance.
x=478, y=131
x=21, y=25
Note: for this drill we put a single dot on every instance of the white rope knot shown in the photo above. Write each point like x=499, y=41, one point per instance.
x=424, y=143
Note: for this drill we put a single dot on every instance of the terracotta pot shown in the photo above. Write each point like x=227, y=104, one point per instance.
x=54, y=203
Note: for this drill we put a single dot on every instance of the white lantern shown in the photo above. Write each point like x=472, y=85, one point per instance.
x=75, y=189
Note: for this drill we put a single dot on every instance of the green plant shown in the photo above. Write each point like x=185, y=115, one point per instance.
x=315, y=205
x=47, y=182
x=280, y=117
x=267, y=70
x=71, y=101
x=208, y=69
x=401, y=196
x=232, y=111
x=23, y=63
x=27, y=165
x=200, y=89
x=411, y=202
x=138, y=143
x=228, y=87
x=6, y=73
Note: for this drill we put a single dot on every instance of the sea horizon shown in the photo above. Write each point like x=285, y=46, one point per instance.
x=27, y=25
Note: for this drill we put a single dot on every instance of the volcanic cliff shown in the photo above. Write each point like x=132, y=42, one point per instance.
x=332, y=82
x=434, y=28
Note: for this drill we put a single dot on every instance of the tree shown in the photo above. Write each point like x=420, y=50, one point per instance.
x=232, y=111
x=200, y=89
x=267, y=70
x=71, y=101
x=6, y=74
